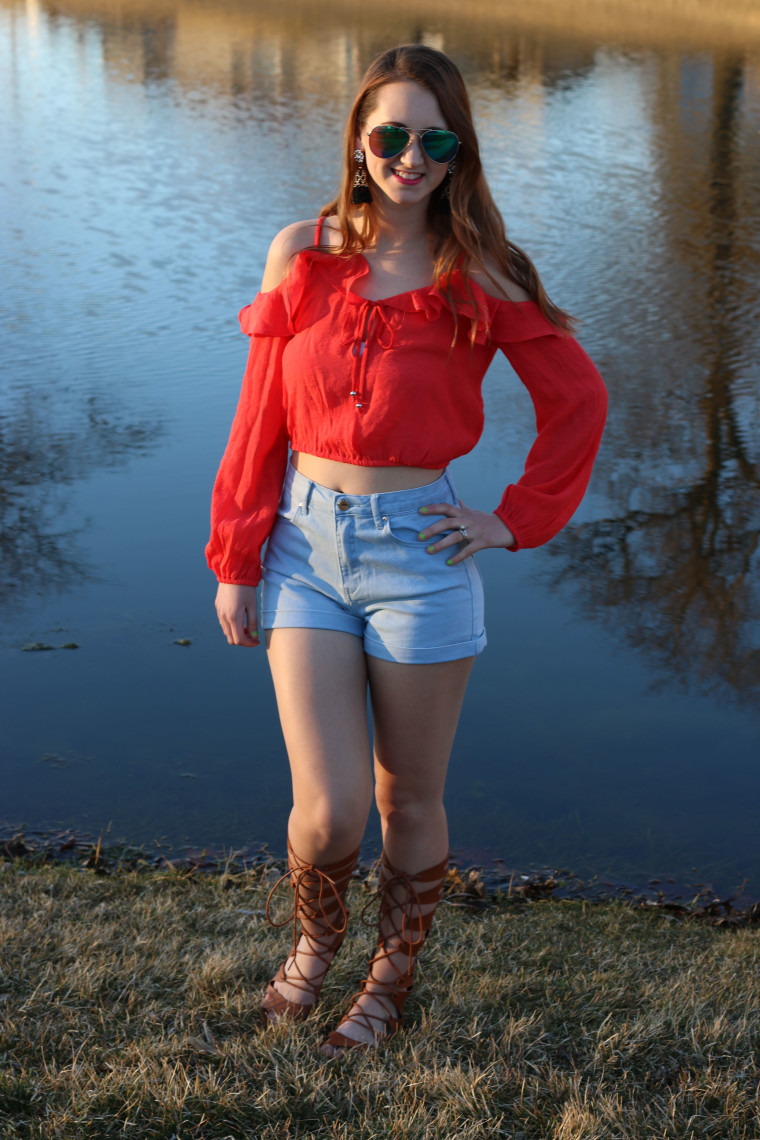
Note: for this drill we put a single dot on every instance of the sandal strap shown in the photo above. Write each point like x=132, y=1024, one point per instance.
x=320, y=890
x=318, y=898
x=406, y=937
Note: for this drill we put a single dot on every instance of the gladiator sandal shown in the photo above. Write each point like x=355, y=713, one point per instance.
x=320, y=912
x=407, y=906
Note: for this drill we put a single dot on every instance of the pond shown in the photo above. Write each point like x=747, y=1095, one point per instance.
x=148, y=154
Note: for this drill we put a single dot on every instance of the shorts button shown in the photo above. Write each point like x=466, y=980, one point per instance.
x=343, y=504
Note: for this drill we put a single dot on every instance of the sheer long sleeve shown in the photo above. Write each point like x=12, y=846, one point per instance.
x=249, y=481
x=570, y=402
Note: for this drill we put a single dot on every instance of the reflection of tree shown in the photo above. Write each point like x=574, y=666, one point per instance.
x=681, y=576
x=680, y=581
x=37, y=461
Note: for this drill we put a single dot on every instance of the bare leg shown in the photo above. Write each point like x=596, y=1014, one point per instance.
x=416, y=710
x=320, y=681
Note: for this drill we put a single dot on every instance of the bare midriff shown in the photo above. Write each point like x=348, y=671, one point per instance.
x=350, y=479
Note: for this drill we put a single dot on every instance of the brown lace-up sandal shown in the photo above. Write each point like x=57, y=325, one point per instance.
x=407, y=906
x=320, y=912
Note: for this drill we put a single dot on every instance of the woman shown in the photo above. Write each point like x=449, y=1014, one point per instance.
x=369, y=342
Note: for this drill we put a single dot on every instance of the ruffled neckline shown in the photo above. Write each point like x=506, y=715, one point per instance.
x=492, y=318
x=355, y=267
x=344, y=273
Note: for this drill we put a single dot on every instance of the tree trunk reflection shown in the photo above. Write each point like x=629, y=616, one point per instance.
x=680, y=578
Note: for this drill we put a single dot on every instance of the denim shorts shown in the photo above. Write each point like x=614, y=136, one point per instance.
x=354, y=563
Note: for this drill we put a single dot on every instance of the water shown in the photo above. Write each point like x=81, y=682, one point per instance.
x=147, y=156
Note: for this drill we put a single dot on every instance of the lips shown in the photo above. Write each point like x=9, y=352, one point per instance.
x=408, y=177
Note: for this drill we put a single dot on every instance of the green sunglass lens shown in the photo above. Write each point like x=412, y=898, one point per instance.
x=386, y=142
x=441, y=146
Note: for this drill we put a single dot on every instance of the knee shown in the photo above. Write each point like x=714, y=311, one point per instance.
x=399, y=805
x=332, y=825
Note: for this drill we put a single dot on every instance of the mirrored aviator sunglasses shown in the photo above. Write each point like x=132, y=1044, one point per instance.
x=387, y=142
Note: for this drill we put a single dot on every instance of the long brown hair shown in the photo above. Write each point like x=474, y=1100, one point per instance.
x=473, y=232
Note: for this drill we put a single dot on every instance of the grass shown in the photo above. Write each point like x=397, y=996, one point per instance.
x=128, y=1008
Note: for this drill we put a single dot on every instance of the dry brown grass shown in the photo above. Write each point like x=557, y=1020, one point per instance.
x=128, y=1008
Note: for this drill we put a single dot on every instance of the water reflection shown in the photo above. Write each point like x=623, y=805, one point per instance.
x=709, y=24
x=679, y=571
x=680, y=579
x=39, y=462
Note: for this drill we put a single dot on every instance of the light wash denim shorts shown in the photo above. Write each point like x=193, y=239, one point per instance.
x=354, y=563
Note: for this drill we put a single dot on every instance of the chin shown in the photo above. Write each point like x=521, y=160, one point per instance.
x=406, y=195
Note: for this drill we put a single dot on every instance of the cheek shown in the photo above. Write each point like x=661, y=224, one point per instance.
x=378, y=168
x=439, y=175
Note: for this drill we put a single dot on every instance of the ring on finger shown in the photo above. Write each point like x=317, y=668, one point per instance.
x=463, y=531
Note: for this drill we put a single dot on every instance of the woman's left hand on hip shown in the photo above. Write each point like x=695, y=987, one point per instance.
x=470, y=531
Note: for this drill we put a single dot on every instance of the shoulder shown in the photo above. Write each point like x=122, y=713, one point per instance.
x=496, y=283
x=290, y=242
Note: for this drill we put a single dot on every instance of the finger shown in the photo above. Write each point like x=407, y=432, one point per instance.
x=248, y=630
x=225, y=627
x=453, y=538
x=252, y=625
x=447, y=509
x=466, y=550
x=444, y=524
x=430, y=532
x=235, y=629
x=244, y=638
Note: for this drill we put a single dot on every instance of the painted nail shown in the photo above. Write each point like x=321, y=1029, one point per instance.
x=449, y=561
x=422, y=534
x=429, y=549
x=423, y=510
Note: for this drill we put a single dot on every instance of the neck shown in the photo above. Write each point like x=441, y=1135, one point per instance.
x=400, y=226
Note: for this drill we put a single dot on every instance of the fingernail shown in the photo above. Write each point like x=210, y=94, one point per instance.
x=422, y=534
x=430, y=550
x=449, y=561
x=423, y=510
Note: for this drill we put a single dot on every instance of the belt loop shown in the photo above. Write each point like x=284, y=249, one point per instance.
x=377, y=510
x=307, y=496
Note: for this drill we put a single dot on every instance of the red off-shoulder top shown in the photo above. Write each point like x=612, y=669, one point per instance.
x=395, y=382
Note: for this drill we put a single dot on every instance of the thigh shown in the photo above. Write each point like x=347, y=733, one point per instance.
x=415, y=711
x=320, y=681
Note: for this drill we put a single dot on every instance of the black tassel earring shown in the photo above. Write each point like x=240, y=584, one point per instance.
x=361, y=193
x=443, y=205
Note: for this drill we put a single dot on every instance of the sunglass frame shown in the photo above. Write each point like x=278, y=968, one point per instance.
x=409, y=132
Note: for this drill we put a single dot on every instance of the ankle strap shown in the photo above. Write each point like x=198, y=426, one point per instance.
x=413, y=901
x=300, y=879
x=312, y=887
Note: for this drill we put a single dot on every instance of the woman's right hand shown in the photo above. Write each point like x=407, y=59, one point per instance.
x=238, y=617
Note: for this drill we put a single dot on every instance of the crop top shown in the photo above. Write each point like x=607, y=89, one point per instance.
x=395, y=382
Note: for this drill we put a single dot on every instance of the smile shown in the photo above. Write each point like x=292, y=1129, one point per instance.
x=408, y=177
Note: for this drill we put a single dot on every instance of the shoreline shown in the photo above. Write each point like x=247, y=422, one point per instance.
x=471, y=886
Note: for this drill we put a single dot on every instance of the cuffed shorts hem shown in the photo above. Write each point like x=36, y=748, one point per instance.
x=310, y=619
x=429, y=656
x=405, y=654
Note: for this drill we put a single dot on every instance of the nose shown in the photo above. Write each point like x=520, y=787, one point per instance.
x=413, y=152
